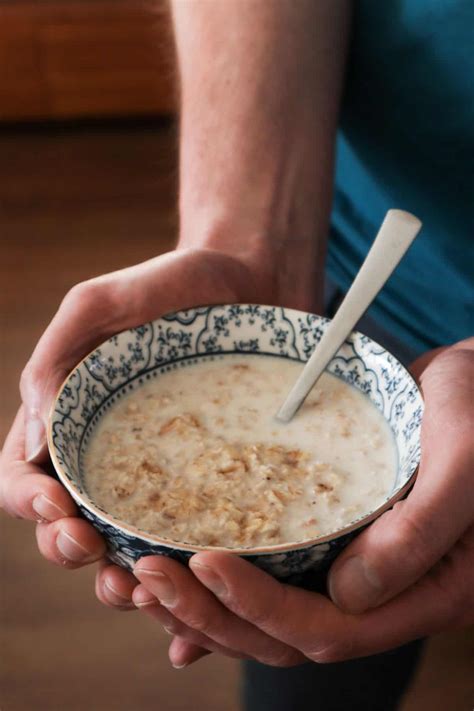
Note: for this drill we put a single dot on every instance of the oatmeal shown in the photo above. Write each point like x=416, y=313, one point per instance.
x=197, y=456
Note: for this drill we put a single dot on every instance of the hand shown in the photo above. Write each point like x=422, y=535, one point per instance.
x=410, y=574
x=90, y=313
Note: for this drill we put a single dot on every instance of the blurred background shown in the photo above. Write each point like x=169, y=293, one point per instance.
x=88, y=178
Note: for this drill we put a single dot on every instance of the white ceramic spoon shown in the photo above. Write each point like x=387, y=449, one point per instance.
x=397, y=232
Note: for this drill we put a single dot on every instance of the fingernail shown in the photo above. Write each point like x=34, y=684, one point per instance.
x=355, y=587
x=72, y=550
x=109, y=589
x=210, y=578
x=34, y=434
x=179, y=666
x=46, y=509
x=163, y=588
x=144, y=598
x=147, y=603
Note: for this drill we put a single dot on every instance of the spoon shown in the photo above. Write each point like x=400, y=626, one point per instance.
x=397, y=232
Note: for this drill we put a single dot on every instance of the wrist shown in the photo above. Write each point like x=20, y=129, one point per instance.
x=272, y=268
x=237, y=276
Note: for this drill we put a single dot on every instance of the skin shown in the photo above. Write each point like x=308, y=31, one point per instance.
x=420, y=555
x=247, y=227
x=165, y=280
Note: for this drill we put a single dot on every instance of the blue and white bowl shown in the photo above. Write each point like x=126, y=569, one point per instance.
x=134, y=357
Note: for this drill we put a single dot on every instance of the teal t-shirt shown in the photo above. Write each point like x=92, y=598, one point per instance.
x=406, y=140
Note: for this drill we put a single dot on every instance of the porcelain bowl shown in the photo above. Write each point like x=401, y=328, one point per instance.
x=133, y=357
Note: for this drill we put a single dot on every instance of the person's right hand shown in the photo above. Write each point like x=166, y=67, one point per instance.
x=91, y=312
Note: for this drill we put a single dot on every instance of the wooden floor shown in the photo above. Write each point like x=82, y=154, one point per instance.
x=75, y=203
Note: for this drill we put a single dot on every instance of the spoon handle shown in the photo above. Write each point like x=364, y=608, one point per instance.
x=397, y=232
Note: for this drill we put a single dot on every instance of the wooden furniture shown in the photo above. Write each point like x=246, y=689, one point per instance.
x=63, y=59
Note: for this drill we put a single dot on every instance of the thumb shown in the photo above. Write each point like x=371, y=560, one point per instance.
x=89, y=313
x=391, y=555
x=95, y=309
x=406, y=542
x=84, y=317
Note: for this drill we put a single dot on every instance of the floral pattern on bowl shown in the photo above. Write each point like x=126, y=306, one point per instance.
x=129, y=359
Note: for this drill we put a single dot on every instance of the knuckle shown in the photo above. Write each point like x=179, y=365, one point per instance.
x=28, y=377
x=8, y=500
x=81, y=294
x=25, y=375
x=44, y=546
x=97, y=296
x=411, y=534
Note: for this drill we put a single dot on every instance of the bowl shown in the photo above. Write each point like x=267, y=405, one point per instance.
x=133, y=357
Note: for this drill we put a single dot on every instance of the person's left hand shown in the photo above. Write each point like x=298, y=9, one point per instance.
x=410, y=574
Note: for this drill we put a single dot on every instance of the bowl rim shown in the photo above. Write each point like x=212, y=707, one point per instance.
x=154, y=539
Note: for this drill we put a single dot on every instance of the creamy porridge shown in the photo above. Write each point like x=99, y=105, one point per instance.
x=196, y=455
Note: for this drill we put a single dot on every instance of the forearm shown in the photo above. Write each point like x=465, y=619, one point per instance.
x=260, y=87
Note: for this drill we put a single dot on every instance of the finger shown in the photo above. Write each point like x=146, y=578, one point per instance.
x=401, y=546
x=70, y=542
x=149, y=605
x=183, y=653
x=254, y=596
x=392, y=554
x=25, y=491
x=114, y=586
x=29, y=494
x=323, y=632
x=441, y=600
x=180, y=592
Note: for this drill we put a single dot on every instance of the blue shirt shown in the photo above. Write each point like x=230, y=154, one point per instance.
x=406, y=140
